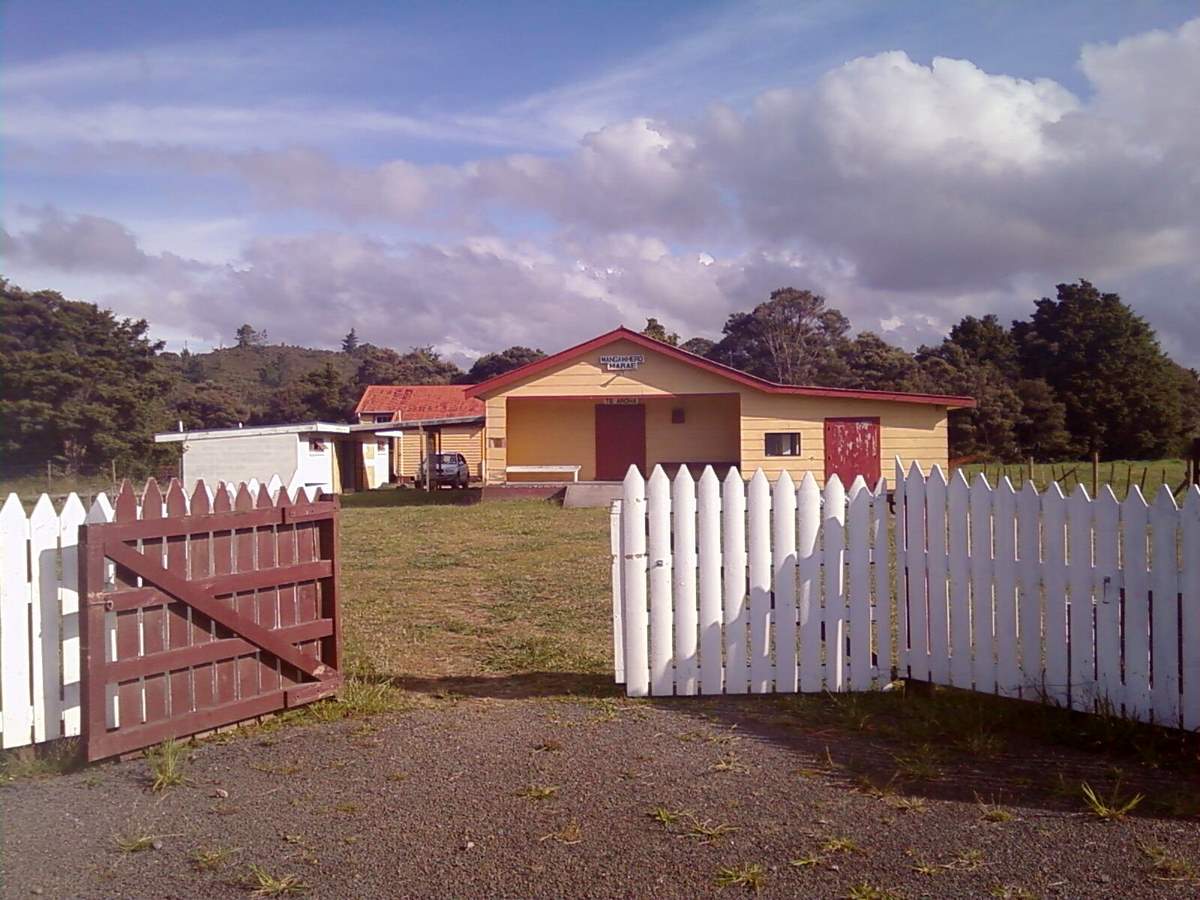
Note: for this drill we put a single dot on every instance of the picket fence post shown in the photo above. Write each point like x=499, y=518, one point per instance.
x=733, y=545
x=637, y=621
x=618, y=591
x=709, y=535
x=683, y=503
x=1164, y=588
x=1134, y=520
x=662, y=650
x=808, y=581
x=783, y=530
x=1190, y=613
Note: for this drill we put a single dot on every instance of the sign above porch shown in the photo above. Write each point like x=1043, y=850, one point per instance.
x=621, y=362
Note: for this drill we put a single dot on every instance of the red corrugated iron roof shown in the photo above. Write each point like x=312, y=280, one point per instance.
x=415, y=402
x=762, y=384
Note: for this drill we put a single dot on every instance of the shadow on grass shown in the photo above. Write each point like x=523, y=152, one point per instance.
x=521, y=686
x=389, y=497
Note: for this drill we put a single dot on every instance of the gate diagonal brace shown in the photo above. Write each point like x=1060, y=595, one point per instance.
x=181, y=589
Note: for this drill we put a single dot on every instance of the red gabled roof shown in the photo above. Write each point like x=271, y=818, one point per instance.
x=416, y=402
x=762, y=384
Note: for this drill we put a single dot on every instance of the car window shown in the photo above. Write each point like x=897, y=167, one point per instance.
x=462, y=460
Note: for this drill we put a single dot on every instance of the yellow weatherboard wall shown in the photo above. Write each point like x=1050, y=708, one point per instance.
x=548, y=418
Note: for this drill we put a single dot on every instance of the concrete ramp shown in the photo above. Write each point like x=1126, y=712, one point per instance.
x=591, y=493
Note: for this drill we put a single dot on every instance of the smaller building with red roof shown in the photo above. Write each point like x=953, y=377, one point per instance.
x=416, y=402
x=455, y=423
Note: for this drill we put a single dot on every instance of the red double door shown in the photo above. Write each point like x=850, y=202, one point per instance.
x=852, y=449
x=620, y=440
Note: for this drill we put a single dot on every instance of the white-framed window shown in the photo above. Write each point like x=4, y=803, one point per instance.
x=782, y=443
x=316, y=446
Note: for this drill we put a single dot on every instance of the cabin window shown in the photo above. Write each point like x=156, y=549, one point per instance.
x=782, y=443
x=677, y=416
x=496, y=443
x=383, y=417
x=316, y=446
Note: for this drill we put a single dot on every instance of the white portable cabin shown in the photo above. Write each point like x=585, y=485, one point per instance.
x=303, y=454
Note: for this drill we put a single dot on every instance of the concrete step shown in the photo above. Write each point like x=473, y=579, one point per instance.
x=591, y=493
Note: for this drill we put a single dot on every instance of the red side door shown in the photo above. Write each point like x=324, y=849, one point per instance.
x=620, y=440
x=852, y=449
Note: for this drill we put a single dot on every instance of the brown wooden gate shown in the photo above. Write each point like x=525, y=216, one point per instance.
x=205, y=613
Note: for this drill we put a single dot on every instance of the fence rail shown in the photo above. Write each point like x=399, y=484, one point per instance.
x=40, y=660
x=734, y=587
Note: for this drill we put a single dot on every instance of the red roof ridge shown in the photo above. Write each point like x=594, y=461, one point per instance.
x=416, y=401
x=686, y=356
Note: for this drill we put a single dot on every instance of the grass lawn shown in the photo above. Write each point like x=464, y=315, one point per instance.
x=451, y=591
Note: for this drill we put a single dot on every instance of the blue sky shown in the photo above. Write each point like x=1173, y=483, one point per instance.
x=549, y=170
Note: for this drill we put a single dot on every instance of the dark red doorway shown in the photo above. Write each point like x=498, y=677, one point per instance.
x=852, y=449
x=620, y=440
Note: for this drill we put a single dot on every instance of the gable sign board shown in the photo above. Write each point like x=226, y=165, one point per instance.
x=618, y=363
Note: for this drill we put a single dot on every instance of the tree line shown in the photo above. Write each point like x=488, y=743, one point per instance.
x=1082, y=374
x=80, y=386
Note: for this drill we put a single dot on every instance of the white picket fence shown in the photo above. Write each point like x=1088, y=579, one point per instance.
x=39, y=615
x=1088, y=604
x=735, y=587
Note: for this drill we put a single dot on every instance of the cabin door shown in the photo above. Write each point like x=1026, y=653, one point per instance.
x=620, y=440
x=852, y=449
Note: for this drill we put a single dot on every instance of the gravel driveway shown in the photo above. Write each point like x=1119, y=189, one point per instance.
x=544, y=797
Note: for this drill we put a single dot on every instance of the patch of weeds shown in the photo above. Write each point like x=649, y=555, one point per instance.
x=570, y=834
x=359, y=697
x=706, y=831
x=1164, y=866
x=927, y=868
x=209, y=860
x=838, y=844
x=548, y=746
x=967, y=860
x=1113, y=808
x=399, y=776
x=751, y=876
x=349, y=809
x=908, y=804
x=867, y=784
x=982, y=742
x=539, y=792
x=921, y=764
x=730, y=763
x=866, y=891
x=264, y=884
x=325, y=711
x=1179, y=805
x=166, y=763
x=992, y=812
x=805, y=862
x=41, y=760
x=665, y=817
x=134, y=841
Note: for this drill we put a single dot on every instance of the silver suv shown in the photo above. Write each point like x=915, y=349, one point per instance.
x=448, y=468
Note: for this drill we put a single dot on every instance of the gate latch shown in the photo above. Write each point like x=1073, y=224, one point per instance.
x=100, y=600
